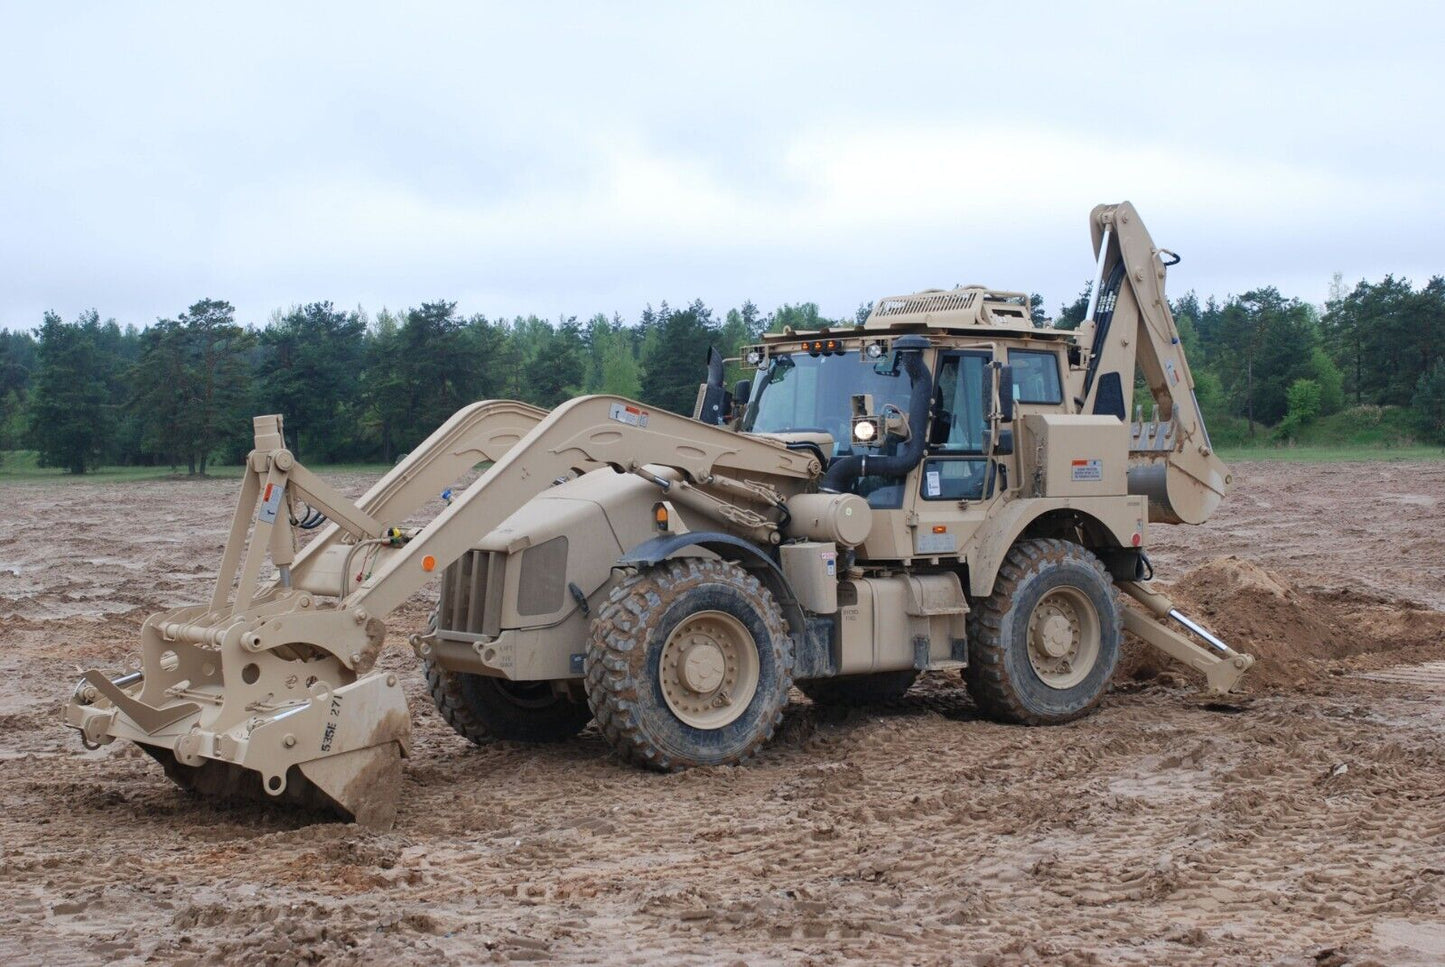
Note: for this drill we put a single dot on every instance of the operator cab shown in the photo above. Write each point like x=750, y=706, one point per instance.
x=806, y=397
x=803, y=393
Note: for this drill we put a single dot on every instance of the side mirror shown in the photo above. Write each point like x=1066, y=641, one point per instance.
x=1006, y=394
x=738, y=402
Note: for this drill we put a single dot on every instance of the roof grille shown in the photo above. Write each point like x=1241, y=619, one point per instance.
x=926, y=302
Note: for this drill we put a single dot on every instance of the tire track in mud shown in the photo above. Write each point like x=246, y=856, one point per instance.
x=1156, y=831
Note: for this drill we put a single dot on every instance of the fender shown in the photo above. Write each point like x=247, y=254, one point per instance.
x=729, y=548
x=1115, y=519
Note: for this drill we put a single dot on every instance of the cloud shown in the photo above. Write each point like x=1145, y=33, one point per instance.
x=583, y=160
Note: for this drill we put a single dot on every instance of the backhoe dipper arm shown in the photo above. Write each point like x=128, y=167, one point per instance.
x=1128, y=323
x=587, y=432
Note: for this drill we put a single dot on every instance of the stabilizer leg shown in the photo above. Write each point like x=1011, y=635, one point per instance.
x=1221, y=665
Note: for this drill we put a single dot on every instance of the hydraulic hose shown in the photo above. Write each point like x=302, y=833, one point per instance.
x=1103, y=319
x=845, y=470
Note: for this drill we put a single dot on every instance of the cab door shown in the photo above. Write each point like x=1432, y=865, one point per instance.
x=952, y=488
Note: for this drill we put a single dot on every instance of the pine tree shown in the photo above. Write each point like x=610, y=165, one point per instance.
x=309, y=370
x=68, y=420
x=555, y=372
x=676, y=362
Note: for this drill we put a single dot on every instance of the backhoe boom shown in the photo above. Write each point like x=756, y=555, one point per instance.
x=1130, y=325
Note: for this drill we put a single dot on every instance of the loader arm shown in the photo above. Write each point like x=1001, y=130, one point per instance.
x=480, y=432
x=1128, y=324
x=276, y=687
x=584, y=433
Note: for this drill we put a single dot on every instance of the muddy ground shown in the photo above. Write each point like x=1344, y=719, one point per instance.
x=1305, y=825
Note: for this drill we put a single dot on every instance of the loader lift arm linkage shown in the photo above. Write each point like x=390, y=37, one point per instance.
x=243, y=690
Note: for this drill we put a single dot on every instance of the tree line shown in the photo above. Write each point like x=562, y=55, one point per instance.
x=1280, y=363
x=353, y=388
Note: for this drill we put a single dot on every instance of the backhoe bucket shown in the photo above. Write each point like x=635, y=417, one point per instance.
x=227, y=723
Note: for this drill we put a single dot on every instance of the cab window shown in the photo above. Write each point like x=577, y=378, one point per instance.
x=955, y=468
x=955, y=478
x=960, y=424
x=1036, y=376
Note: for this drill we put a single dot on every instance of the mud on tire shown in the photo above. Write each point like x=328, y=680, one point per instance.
x=1008, y=673
x=625, y=669
x=877, y=688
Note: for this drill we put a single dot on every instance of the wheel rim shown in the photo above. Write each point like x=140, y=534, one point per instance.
x=1064, y=638
x=709, y=669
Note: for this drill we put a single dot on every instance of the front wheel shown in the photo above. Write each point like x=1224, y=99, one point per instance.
x=689, y=664
x=484, y=709
x=1044, y=644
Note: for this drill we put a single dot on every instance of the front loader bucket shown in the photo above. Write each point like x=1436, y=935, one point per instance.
x=361, y=786
x=335, y=748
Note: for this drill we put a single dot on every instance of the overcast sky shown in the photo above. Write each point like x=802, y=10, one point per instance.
x=570, y=159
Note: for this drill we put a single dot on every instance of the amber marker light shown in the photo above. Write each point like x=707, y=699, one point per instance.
x=428, y=564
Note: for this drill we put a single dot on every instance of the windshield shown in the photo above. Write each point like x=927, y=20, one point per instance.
x=801, y=393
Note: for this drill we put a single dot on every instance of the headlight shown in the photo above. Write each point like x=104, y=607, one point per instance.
x=864, y=431
x=874, y=350
x=754, y=357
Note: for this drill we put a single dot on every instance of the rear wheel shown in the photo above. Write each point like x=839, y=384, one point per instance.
x=877, y=688
x=484, y=709
x=1043, y=646
x=689, y=664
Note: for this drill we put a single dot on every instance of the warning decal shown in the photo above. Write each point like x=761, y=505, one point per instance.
x=1088, y=470
x=631, y=415
x=270, y=503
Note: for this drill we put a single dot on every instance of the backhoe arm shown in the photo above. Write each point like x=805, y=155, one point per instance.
x=1128, y=324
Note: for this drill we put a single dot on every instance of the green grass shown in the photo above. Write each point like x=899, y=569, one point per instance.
x=1330, y=454
x=20, y=466
x=1356, y=433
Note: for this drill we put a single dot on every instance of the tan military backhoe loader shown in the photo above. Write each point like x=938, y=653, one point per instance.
x=943, y=487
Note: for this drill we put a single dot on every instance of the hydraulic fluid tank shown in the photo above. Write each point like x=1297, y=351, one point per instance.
x=843, y=519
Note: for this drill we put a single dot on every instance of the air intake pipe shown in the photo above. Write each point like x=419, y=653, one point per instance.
x=845, y=470
x=715, y=402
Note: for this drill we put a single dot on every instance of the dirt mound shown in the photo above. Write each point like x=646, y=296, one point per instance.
x=1296, y=634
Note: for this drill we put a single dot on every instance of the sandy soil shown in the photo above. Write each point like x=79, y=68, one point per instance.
x=1305, y=825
